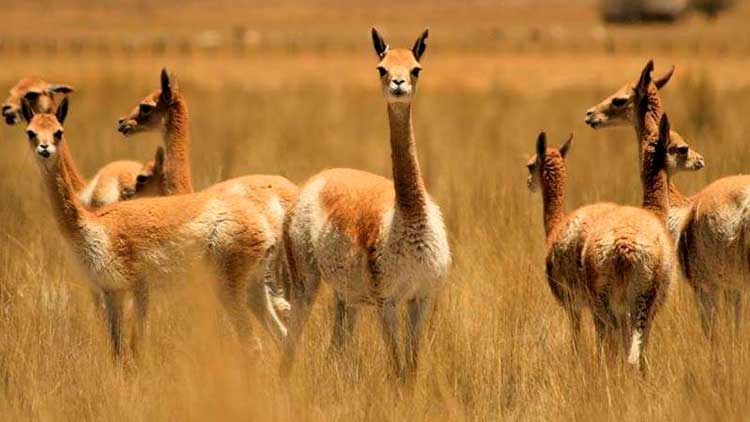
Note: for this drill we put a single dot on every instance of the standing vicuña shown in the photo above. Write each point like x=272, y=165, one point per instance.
x=166, y=109
x=616, y=260
x=129, y=246
x=713, y=225
x=375, y=241
x=116, y=181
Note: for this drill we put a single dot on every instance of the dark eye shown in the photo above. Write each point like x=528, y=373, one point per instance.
x=415, y=71
x=31, y=96
x=146, y=108
x=683, y=149
x=619, y=102
x=58, y=134
x=31, y=134
x=382, y=71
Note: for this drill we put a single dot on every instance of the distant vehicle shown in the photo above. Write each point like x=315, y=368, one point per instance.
x=643, y=10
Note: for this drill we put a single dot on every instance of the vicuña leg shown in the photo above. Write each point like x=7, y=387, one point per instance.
x=303, y=290
x=141, y=303
x=418, y=309
x=114, y=301
x=343, y=326
x=707, y=310
x=389, y=326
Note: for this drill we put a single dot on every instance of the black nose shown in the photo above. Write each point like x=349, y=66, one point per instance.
x=398, y=81
x=43, y=146
x=589, y=112
x=7, y=111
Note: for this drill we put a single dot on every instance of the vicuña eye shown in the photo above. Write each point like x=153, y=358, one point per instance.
x=146, y=108
x=31, y=134
x=58, y=134
x=382, y=71
x=415, y=71
x=683, y=149
x=619, y=102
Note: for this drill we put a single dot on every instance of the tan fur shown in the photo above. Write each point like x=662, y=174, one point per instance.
x=166, y=109
x=374, y=241
x=128, y=247
x=114, y=182
x=616, y=260
x=712, y=226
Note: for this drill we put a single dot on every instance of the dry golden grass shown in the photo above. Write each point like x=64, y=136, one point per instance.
x=309, y=99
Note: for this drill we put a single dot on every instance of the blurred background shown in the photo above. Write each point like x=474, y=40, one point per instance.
x=291, y=88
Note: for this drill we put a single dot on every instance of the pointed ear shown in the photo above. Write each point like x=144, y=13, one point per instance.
x=541, y=147
x=645, y=78
x=26, y=110
x=566, y=146
x=660, y=82
x=166, y=86
x=420, y=45
x=62, y=110
x=378, y=42
x=61, y=89
x=664, y=129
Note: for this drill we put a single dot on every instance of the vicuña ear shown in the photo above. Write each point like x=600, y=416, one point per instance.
x=660, y=82
x=61, y=89
x=645, y=78
x=541, y=147
x=378, y=42
x=420, y=45
x=664, y=129
x=26, y=110
x=166, y=86
x=566, y=146
x=62, y=110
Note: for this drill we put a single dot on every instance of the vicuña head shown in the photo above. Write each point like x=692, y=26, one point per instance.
x=45, y=131
x=149, y=114
x=39, y=94
x=548, y=164
x=399, y=67
x=680, y=157
x=617, y=109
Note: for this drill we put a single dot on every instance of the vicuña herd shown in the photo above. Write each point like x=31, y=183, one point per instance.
x=377, y=241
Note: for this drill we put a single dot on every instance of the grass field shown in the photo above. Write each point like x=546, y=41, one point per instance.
x=298, y=93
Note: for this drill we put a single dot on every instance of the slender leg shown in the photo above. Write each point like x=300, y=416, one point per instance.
x=232, y=294
x=606, y=325
x=141, y=303
x=261, y=305
x=641, y=316
x=734, y=300
x=113, y=304
x=419, y=309
x=343, y=327
x=303, y=290
x=389, y=327
x=707, y=310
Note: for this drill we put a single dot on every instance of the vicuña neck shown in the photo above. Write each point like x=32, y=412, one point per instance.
x=76, y=180
x=177, y=179
x=553, y=191
x=411, y=195
x=69, y=212
x=653, y=169
x=676, y=198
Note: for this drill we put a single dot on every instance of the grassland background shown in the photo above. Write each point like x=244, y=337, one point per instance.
x=291, y=88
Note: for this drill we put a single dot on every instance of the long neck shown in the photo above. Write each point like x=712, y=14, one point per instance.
x=676, y=198
x=69, y=212
x=654, y=176
x=411, y=195
x=76, y=180
x=553, y=194
x=177, y=179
